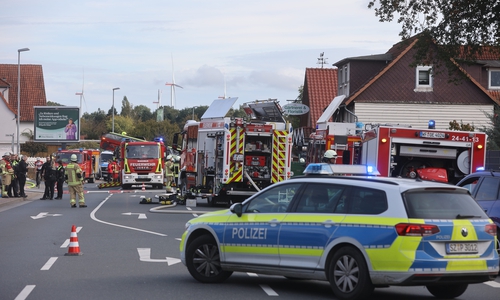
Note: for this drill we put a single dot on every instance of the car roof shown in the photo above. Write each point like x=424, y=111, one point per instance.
x=403, y=184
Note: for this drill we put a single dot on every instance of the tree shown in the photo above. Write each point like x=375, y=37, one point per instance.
x=143, y=113
x=50, y=103
x=126, y=108
x=30, y=146
x=460, y=27
x=454, y=125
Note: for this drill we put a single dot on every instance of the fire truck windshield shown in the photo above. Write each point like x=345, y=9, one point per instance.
x=142, y=151
x=65, y=157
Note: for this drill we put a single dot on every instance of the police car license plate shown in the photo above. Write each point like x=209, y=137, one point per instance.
x=461, y=248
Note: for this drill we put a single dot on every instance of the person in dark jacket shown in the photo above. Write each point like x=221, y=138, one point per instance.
x=13, y=190
x=49, y=176
x=22, y=169
x=60, y=179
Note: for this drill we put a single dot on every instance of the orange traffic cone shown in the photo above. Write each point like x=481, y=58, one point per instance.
x=74, y=248
x=143, y=187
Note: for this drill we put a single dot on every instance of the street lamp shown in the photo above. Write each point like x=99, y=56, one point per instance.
x=19, y=94
x=193, y=110
x=113, y=110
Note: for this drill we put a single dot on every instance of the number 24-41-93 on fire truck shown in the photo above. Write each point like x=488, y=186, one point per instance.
x=228, y=159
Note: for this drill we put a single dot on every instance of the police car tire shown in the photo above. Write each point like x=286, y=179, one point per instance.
x=347, y=262
x=447, y=291
x=203, y=260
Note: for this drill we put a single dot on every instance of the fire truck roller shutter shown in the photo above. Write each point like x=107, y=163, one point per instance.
x=463, y=162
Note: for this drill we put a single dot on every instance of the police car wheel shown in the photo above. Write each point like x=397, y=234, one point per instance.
x=203, y=260
x=447, y=291
x=348, y=274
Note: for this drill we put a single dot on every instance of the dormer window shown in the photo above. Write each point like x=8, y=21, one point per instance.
x=423, y=82
x=494, y=79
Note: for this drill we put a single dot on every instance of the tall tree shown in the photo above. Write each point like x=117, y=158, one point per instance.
x=493, y=130
x=143, y=113
x=126, y=108
x=460, y=27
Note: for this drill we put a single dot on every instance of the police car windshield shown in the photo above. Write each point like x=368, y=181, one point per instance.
x=142, y=151
x=446, y=204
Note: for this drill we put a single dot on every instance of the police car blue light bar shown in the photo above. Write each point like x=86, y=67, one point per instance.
x=329, y=169
x=480, y=169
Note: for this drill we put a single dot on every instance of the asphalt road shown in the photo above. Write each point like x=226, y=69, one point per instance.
x=129, y=250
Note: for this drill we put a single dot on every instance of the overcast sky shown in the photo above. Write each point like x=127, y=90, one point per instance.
x=259, y=48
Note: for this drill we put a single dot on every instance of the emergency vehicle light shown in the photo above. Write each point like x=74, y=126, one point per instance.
x=329, y=169
x=479, y=147
x=480, y=169
x=432, y=124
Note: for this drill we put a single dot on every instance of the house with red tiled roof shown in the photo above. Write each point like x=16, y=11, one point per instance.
x=385, y=89
x=32, y=93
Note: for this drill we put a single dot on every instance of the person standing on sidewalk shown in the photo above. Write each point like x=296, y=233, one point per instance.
x=7, y=172
x=60, y=179
x=14, y=185
x=49, y=175
x=75, y=182
x=22, y=169
x=38, y=168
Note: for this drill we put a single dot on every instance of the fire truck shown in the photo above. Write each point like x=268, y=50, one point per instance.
x=141, y=161
x=399, y=150
x=88, y=159
x=228, y=159
x=429, y=154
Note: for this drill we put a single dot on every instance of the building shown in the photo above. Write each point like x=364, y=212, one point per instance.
x=32, y=94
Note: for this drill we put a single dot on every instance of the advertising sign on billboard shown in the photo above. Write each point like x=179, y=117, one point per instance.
x=57, y=124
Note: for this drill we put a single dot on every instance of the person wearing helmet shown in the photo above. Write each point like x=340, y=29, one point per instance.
x=330, y=156
x=6, y=171
x=74, y=179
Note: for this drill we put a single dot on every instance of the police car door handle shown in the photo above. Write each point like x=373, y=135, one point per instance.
x=328, y=223
x=274, y=222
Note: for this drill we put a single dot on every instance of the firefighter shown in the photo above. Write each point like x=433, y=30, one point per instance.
x=116, y=171
x=169, y=172
x=75, y=182
x=7, y=172
x=110, y=170
x=329, y=157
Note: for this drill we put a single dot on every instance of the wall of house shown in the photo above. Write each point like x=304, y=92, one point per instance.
x=9, y=126
x=418, y=115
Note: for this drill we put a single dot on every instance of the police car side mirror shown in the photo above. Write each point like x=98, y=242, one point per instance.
x=237, y=209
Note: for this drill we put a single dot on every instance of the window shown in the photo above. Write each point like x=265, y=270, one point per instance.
x=423, y=79
x=488, y=190
x=321, y=198
x=273, y=200
x=367, y=201
x=494, y=79
x=343, y=79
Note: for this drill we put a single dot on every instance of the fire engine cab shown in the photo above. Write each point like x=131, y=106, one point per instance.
x=141, y=161
x=228, y=159
x=88, y=159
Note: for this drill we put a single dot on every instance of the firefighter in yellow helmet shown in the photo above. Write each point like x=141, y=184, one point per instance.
x=330, y=157
x=169, y=172
x=74, y=179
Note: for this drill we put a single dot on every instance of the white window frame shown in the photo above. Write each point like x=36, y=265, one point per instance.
x=343, y=80
x=423, y=87
x=490, y=86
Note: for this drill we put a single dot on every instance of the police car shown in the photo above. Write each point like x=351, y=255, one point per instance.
x=357, y=232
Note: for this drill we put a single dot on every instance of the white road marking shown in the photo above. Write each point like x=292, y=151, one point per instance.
x=25, y=292
x=140, y=215
x=492, y=284
x=49, y=264
x=93, y=217
x=252, y=274
x=44, y=214
x=145, y=255
x=269, y=291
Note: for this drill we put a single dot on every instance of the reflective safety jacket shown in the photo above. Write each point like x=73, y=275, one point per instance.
x=72, y=169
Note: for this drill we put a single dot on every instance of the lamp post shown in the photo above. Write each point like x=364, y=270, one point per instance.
x=193, y=110
x=19, y=94
x=113, y=110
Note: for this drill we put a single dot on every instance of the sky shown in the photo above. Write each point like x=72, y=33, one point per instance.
x=253, y=50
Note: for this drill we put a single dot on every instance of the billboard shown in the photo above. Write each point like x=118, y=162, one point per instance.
x=57, y=124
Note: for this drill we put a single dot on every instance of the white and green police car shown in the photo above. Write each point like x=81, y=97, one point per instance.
x=357, y=232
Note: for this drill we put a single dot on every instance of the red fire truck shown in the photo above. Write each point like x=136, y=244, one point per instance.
x=140, y=161
x=228, y=159
x=400, y=150
x=88, y=159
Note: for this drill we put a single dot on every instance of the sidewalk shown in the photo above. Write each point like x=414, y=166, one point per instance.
x=31, y=191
